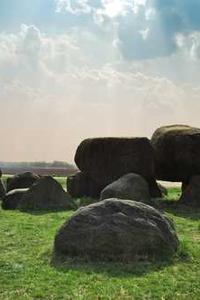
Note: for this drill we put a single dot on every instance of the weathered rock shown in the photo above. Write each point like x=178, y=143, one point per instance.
x=13, y=198
x=23, y=180
x=80, y=185
x=191, y=193
x=45, y=194
x=107, y=159
x=113, y=229
x=177, y=152
x=2, y=189
x=130, y=186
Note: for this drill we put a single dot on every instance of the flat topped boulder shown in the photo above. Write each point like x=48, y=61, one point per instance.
x=107, y=159
x=45, y=194
x=177, y=152
x=22, y=180
x=130, y=186
x=119, y=230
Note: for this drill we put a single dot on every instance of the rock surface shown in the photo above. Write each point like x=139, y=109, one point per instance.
x=107, y=159
x=113, y=229
x=191, y=193
x=13, y=198
x=130, y=186
x=23, y=180
x=45, y=194
x=2, y=189
x=80, y=185
x=177, y=152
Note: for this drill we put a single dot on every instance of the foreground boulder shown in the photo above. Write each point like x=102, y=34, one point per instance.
x=13, y=198
x=107, y=159
x=80, y=185
x=177, y=152
x=130, y=186
x=113, y=229
x=191, y=193
x=23, y=180
x=45, y=194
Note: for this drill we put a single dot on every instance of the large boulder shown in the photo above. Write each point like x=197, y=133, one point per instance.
x=177, y=152
x=23, y=180
x=45, y=194
x=107, y=159
x=80, y=185
x=13, y=198
x=191, y=193
x=130, y=186
x=113, y=229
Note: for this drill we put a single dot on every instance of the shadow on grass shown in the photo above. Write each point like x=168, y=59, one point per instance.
x=176, y=208
x=73, y=206
x=119, y=269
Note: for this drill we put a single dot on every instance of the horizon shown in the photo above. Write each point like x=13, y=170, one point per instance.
x=71, y=70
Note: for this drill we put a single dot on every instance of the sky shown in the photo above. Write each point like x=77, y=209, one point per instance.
x=73, y=69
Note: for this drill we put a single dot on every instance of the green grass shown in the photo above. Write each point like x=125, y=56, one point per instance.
x=26, y=242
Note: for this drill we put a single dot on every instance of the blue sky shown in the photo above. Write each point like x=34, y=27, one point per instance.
x=74, y=69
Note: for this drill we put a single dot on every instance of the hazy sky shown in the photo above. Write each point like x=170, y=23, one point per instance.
x=84, y=68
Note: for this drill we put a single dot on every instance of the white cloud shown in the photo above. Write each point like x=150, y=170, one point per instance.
x=189, y=45
x=73, y=6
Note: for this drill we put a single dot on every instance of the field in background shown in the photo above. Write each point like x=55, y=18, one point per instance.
x=26, y=242
x=41, y=171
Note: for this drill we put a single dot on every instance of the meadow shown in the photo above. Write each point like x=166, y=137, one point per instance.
x=26, y=271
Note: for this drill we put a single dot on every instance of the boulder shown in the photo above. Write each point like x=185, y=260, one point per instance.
x=13, y=198
x=2, y=189
x=107, y=159
x=177, y=152
x=119, y=230
x=191, y=193
x=45, y=194
x=154, y=190
x=23, y=180
x=130, y=186
x=80, y=185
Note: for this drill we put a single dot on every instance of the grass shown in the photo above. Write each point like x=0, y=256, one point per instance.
x=26, y=242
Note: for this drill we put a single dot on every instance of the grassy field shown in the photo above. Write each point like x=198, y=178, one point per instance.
x=26, y=242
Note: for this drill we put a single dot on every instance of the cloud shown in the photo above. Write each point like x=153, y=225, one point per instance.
x=130, y=22
x=54, y=92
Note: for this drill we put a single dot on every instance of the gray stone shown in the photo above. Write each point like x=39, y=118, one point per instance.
x=22, y=180
x=80, y=185
x=45, y=194
x=2, y=189
x=130, y=186
x=13, y=198
x=119, y=230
